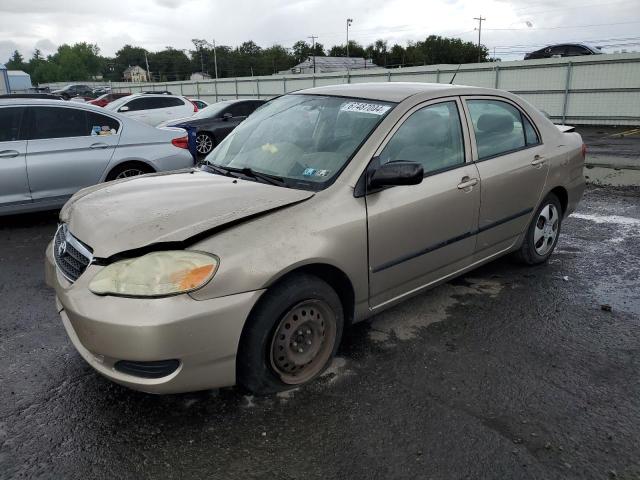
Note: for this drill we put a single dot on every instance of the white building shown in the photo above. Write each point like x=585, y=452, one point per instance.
x=135, y=74
x=19, y=81
x=199, y=76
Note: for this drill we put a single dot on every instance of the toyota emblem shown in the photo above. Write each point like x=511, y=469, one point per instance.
x=62, y=248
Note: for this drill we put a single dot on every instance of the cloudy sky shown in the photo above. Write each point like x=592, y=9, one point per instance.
x=512, y=26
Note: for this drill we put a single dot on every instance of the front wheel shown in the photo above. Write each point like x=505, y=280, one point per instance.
x=543, y=232
x=291, y=336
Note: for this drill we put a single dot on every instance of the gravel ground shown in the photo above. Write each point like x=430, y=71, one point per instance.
x=508, y=372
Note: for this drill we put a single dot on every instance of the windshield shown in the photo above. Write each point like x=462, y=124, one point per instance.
x=212, y=110
x=305, y=139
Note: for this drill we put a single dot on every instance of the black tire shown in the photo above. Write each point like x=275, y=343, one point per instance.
x=256, y=371
x=211, y=143
x=531, y=251
x=123, y=168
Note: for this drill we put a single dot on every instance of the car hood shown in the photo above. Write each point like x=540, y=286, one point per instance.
x=198, y=122
x=159, y=208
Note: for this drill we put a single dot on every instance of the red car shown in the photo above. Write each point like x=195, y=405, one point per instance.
x=103, y=100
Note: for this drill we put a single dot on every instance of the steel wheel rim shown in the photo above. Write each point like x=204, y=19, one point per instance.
x=546, y=229
x=303, y=341
x=130, y=172
x=204, y=144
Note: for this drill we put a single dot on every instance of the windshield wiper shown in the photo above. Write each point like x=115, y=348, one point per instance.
x=211, y=168
x=245, y=171
x=265, y=177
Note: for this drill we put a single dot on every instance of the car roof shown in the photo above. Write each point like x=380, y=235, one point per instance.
x=5, y=102
x=147, y=95
x=387, y=91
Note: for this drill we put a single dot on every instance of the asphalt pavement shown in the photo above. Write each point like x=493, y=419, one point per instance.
x=509, y=372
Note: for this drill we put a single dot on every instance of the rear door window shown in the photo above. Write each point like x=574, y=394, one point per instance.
x=143, y=103
x=168, y=102
x=498, y=127
x=10, y=119
x=57, y=122
x=577, y=50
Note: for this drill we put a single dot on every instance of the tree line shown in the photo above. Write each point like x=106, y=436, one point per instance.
x=83, y=61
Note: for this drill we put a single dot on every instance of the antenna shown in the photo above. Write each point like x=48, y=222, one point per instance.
x=454, y=75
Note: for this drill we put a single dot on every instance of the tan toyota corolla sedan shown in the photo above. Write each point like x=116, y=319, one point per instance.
x=322, y=209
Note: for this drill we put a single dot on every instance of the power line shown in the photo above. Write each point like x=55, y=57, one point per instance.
x=563, y=26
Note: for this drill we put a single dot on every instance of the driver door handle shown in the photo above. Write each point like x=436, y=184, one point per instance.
x=538, y=160
x=99, y=146
x=467, y=182
x=9, y=153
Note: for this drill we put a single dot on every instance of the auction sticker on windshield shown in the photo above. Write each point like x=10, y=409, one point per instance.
x=363, y=107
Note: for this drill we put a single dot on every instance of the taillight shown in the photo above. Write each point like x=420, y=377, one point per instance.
x=584, y=151
x=181, y=142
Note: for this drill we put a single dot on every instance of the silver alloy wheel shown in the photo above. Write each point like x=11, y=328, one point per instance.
x=546, y=229
x=303, y=341
x=129, y=172
x=204, y=144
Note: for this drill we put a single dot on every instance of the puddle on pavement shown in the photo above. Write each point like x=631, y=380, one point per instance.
x=406, y=320
x=621, y=177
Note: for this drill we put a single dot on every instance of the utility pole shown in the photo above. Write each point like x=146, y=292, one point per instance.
x=313, y=51
x=147, y=62
x=200, y=44
x=349, y=21
x=480, y=20
x=215, y=58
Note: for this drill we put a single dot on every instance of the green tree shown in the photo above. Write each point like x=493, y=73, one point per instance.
x=16, y=62
x=170, y=65
x=355, y=50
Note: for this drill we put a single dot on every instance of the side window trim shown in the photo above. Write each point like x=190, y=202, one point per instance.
x=472, y=133
x=466, y=139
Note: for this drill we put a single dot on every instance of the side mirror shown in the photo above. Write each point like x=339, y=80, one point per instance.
x=227, y=116
x=399, y=172
x=123, y=109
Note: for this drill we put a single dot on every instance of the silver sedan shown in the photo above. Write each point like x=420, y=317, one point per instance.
x=50, y=149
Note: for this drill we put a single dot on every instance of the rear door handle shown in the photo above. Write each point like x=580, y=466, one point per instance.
x=467, y=182
x=538, y=161
x=99, y=146
x=9, y=153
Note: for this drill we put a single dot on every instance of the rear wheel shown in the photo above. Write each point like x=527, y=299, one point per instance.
x=127, y=170
x=204, y=143
x=291, y=336
x=543, y=232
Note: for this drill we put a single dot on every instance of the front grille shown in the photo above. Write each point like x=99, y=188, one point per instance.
x=71, y=255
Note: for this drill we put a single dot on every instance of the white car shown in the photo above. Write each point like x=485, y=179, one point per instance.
x=153, y=109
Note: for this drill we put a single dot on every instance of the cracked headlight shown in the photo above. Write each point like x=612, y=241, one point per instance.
x=156, y=274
